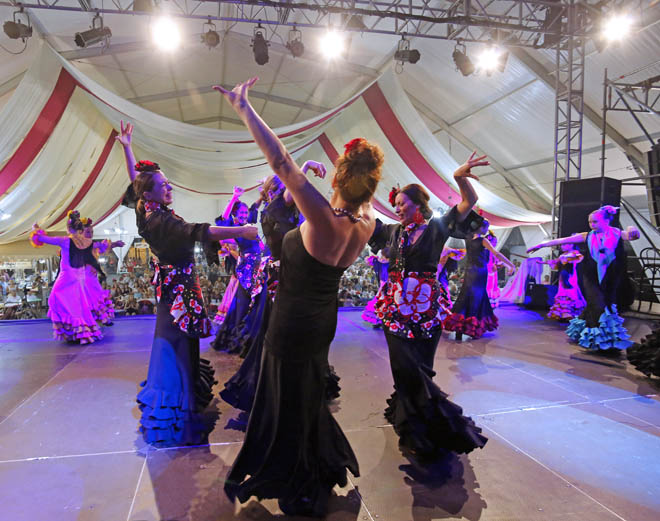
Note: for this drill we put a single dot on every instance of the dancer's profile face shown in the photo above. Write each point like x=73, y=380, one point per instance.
x=405, y=209
x=162, y=190
x=88, y=232
x=597, y=222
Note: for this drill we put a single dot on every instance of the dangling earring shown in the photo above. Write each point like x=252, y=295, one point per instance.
x=419, y=218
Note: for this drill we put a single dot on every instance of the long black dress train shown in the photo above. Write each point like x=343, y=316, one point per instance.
x=277, y=219
x=179, y=382
x=410, y=304
x=472, y=313
x=294, y=450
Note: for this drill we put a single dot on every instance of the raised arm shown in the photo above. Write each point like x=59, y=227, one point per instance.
x=469, y=196
x=573, y=239
x=125, y=138
x=310, y=202
x=238, y=191
x=630, y=234
x=510, y=266
x=219, y=233
x=38, y=238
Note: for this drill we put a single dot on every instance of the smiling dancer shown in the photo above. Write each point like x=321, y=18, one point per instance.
x=178, y=385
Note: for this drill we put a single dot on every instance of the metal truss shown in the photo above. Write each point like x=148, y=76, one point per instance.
x=516, y=23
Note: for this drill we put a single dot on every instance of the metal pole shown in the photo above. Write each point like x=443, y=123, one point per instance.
x=603, y=137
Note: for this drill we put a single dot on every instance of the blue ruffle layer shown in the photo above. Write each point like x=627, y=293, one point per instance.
x=610, y=333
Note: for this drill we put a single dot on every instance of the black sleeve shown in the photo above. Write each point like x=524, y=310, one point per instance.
x=211, y=249
x=381, y=236
x=253, y=213
x=176, y=230
x=463, y=229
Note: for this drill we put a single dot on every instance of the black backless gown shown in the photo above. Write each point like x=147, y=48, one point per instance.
x=294, y=450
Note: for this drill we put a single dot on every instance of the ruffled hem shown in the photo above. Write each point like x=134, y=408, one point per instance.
x=430, y=425
x=104, y=311
x=74, y=330
x=645, y=355
x=471, y=326
x=167, y=417
x=369, y=313
x=332, y=388
x=609, y=335
x=565, y=308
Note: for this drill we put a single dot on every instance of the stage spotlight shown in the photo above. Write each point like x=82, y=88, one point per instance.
x=295, y=44
x=333, y=44
x=260, y=45
x=98, y=33
x=210, y=38
x=491, y=58
x=404, y=54
x=143, y=6
x=165, y=34
x=617, y=27
x=462, y=61
x=16, y=29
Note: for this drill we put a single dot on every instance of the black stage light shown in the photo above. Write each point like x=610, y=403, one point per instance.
x=260, y=46
x=16, y=29
x=295, y=45
x=94, y=35
x=462, y=61
x=407, y=55
x=210, y=38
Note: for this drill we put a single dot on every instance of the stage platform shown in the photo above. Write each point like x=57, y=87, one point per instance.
x=572, y=436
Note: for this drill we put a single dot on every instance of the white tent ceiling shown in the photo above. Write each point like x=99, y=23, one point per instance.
x=509, y=116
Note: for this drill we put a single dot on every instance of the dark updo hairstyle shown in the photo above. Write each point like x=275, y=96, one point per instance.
x=608, y=212
x=420, y=197
x=358, y=171
x=74, y=223
x=237, y=207
x=144, y=181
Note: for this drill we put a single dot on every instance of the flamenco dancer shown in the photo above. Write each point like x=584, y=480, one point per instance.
x=243, y=321
x=278, y=218
x=448, y=264
x=294, y=450
x=599, y=327
x=493, y=286
x=69, y=306
x=472, y=313
x=178, y=385
x=569, y=301
x=379, y=263
x=411, y=308
x=645, y=355
x=100, y=299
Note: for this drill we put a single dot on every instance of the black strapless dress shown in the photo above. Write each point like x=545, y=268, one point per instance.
x=294, y=450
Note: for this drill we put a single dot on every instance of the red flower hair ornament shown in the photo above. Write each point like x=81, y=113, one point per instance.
x=352, y=144
x=146, y=166
x=393, y=193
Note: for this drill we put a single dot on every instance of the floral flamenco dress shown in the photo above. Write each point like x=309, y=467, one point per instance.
x=569, y=301
x=69, y=306
x=472, y=313
x=178, y=384
x=599, y=327
x=411, y=307
x=100, y=299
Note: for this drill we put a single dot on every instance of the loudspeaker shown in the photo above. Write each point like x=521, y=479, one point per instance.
x=540, y=296
x=653, y=157
x=578, y=198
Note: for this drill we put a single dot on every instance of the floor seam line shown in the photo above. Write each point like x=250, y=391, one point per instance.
x=137, y=487
x=361, y=499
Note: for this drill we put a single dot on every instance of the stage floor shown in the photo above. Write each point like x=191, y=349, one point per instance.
x=573, y=436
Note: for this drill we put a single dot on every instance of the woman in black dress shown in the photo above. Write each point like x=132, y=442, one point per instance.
x=472, y=313
x=178, y=385
x=411, y=307
x=294, y=450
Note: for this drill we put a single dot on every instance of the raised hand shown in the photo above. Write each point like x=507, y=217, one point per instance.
x=316, y=167
x=126, y=134
x=510, y=270
x=633, y=233
x=118, y=244
x=465, y=169
x=238, y=96
x=238, y=191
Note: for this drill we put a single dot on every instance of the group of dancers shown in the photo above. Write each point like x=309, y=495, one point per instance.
x=78, y=305
x=282, y=313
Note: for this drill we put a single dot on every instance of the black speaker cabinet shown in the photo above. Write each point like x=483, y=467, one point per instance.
x=578, y=198
x=540, y=296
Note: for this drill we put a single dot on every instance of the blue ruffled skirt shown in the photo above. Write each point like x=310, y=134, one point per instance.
x=610, y=333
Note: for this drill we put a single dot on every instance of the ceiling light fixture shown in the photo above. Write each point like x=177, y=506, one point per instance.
x=260, y=45
x=98, y=33
x=16, y=29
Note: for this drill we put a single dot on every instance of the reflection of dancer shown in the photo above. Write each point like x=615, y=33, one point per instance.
x=69, y=305
x=178, y=384
x=294, y=450
x=410, y=306
x=243, y=320
x=379, y=263
x=599, y=327
x=472, y=313
x=100, y=299
x=569, y=301
x=493, y=285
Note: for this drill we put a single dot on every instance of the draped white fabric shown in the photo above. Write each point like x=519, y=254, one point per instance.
x=204, y=162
